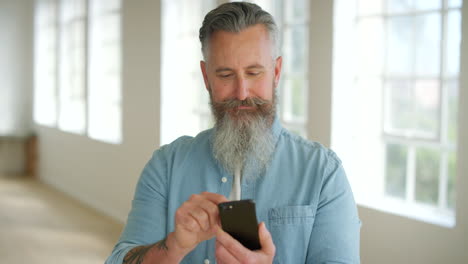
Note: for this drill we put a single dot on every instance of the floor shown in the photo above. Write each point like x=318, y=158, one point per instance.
x=41, y=225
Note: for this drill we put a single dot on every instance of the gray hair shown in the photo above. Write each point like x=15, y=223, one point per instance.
x=235, y=17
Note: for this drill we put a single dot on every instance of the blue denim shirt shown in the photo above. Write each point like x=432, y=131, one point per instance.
x=304, y=199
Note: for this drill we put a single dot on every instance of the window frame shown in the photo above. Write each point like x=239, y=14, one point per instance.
x=411, y=142
x=439, y=212
x=62, y=28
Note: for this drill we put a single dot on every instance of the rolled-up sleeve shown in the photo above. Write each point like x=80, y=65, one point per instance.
x=336, y=230
x=146, y=222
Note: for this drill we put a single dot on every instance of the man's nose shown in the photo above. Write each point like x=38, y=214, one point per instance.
x=242, y=90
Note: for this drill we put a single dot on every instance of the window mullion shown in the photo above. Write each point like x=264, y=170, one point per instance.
x=411, y=174
x=443, y=112
x=58, y=32
x=384, y=87
x=281, y=94
x=443, y=125
x=443, y=180
x=86, y=22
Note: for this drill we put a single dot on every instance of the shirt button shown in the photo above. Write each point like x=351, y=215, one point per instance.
x=224, y=179
x=207, y=261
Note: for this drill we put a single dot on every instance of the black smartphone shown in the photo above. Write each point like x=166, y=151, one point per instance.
x=238, y=218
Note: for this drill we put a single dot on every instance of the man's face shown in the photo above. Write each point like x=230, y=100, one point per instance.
x=241, y=66
x=241, y=75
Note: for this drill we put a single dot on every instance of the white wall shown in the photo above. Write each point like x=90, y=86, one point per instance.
x=104, y=175
x=16, y=48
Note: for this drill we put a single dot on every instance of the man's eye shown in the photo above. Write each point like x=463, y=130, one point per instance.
x=225, y=75
x=253, y=73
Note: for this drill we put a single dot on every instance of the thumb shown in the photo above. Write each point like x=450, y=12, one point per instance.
x=266, y=240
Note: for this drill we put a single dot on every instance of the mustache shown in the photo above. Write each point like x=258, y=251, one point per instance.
x=234, y=103
x=229, y=108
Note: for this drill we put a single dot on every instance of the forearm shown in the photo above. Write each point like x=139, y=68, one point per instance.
x=164, y=251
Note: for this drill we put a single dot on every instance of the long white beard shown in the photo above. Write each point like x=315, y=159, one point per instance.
x=244, y=142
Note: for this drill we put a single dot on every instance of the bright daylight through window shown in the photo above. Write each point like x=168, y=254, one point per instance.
x=396, y=66
x=45, y=52
x=77, y=67
x=190, y=114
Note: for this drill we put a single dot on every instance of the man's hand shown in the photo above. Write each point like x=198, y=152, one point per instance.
x=196, y=219
x=231, y=251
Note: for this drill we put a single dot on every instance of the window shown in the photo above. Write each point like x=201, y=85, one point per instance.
x=104, y=71
x=395, y=103
x=292, y=20
x=45, y=52
x=72, y=103
x=77, y=76
x=184, y=99
x=181, y=53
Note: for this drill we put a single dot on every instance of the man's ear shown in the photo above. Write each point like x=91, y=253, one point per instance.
x=205, y=75
x=278, y=65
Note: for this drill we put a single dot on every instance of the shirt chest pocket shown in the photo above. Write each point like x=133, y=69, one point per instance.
x=290, y=228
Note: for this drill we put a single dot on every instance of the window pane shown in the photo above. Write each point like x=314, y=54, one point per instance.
x=105, y=114
x=72, y=116
x=399, y=51
x=294, y=99
x=105, y=120
x=45, y=70
x=296, y=11
x=427, y=4
x=427, y=175
x=71, y=9
x=427, y=36
x=452, y=126
x=298, y=130
x=370, y=45
x=180, y=67
x=399, y=5
x=400, y=105
x=452, y=51
x=45, y=13
x=366, y=7
x=413, y=112
x=266, y=5
x=295, y=49
x=206, y=120
x=455, y=3
x=395, y=174
x=191, y=13
x=427, y=104
x=99, y=7
x=203, y=101
x=452, y=174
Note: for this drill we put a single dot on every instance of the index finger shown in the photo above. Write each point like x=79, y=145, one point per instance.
x=215, y=197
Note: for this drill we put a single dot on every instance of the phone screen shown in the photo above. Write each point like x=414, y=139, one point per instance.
x=238, y=218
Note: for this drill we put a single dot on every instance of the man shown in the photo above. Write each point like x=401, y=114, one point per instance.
x=302, y=196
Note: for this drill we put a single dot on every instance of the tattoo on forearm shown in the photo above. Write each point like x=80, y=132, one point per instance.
x=161, y=245
x=137, y=255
